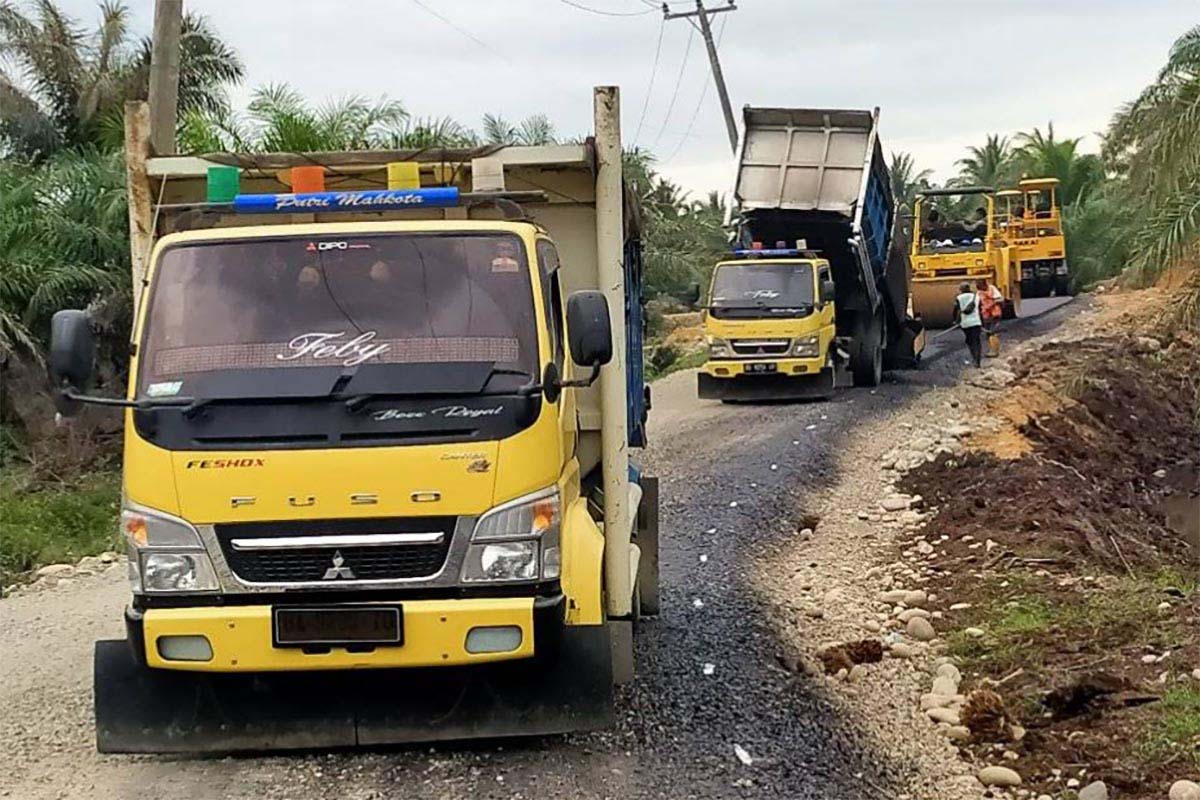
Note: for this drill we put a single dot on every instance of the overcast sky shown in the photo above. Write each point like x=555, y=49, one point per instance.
x=944, y=72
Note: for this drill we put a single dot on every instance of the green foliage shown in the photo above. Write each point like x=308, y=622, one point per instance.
x=1175, y=731
x=63, y=244
x=992, y=164
x=683, y=238
x=665, y=359
x=281, y=120
x=907, y=181
x=1097, y=233
x=1154, y=142
x=70, y=85
x=47, y=524
x=1042, y=155
x=533, y=130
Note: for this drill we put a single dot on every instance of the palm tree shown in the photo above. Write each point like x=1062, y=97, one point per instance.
x=1155, y=142
x=1042, y=155
x=70, y=84
x=989, y=165
x=279, y=119
x=907, y=182
x=420, y=133
x=1157, y=136
x=63, y=243
x=533, y=130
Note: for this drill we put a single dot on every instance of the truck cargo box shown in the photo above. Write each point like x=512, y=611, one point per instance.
x=819, y=175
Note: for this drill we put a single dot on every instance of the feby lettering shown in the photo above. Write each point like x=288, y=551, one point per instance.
x=333, y=347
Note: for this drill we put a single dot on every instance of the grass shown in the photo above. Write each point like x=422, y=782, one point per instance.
x=1026, y=624
x=46, y=524
x=691, y=360
x=1174, y=732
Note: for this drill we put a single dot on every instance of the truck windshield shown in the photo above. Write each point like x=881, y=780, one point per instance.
x=340, y=303
x=750, y=286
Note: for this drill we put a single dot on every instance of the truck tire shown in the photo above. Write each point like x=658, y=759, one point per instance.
x=866, y=361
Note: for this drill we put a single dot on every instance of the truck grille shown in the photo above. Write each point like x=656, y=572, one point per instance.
x=341, y=551
x=750, y=348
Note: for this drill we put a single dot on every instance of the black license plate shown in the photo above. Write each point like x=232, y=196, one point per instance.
x=307, y=625
x=760, y=368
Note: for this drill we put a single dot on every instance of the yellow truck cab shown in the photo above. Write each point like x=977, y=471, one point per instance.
x=376, y=478
x=1033, y=227
x=769, y=319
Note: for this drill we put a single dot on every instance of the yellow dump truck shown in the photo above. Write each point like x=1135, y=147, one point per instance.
x=1033, y=228
x=817, y=287
x=948, y=252
x=376, y=477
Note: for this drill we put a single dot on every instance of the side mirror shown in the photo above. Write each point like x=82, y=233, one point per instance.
x=552, y=383
x=692, y=296
x=72, y=351
x=589, y=331
x=827, y=292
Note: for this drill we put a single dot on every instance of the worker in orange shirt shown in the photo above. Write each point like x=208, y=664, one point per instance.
x=991, y=309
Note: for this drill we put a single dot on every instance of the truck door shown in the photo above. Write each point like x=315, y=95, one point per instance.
x=548, y=264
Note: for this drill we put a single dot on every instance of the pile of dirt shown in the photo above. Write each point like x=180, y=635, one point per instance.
x=1097, y=442
x=1070, y=526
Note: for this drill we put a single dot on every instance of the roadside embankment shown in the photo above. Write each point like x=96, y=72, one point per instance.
x=1003, y=582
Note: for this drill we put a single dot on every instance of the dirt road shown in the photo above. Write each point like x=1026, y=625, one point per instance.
x=732, y=481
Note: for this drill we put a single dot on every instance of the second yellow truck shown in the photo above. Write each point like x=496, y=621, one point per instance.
x=816, y=287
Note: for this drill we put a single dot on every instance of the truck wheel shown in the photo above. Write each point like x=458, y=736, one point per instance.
x=867, y=359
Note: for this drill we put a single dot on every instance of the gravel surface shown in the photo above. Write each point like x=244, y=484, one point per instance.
x=743, y=591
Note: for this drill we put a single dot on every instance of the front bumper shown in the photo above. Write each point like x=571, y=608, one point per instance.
x=435, y=633
x=733, y=368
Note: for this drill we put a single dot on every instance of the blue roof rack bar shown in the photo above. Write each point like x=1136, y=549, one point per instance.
x=772, y=252
x=367, y=200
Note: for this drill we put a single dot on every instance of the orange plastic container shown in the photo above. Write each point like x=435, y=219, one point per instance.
x=308, y=179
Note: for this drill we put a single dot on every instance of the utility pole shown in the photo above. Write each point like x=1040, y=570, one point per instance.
x=164, y=75
x=706, y=31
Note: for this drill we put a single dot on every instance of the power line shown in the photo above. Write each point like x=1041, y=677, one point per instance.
x=675, y=94
x=702, y=14
x=696, y=113
x=608, y=13
x=653, y=71
x=463, y=31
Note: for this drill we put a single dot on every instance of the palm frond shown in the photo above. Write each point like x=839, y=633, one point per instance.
x=1172, y=230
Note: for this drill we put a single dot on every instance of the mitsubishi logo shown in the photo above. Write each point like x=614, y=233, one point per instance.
x=337, y=570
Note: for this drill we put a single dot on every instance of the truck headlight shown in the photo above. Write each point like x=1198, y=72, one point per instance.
x=1060, y=268
x=718, y=348
x=508, y=541
x=807, y=346
x=165, y=553
x=502, y=561
x=177, y=572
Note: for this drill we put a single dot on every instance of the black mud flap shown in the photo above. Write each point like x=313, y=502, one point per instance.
x=142, y=710
x=904, y=349
x=765, y=388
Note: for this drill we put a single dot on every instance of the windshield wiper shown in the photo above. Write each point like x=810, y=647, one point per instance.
x=140, y=404
x=357, y=402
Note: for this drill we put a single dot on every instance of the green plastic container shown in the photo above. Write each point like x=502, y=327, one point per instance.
x=223, y=184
